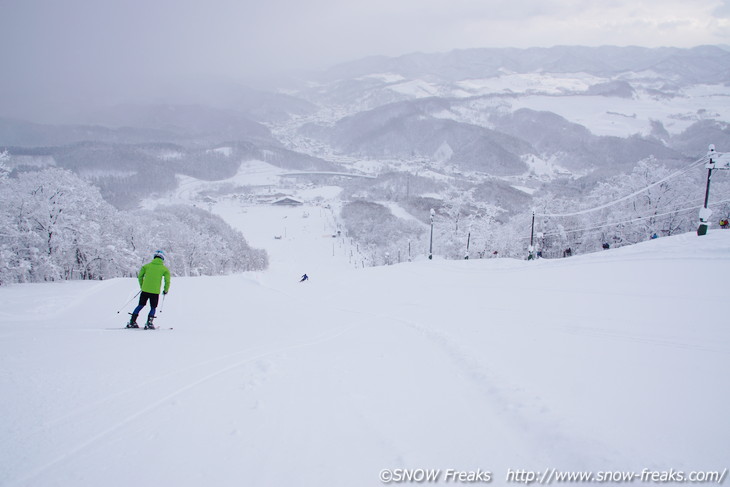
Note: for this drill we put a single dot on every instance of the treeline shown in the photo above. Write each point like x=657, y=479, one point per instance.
x=625, y=209
x=631, y=208
x=55, y=226
x=380, y=236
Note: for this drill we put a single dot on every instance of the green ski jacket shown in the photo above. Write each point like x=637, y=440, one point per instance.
x=151, y=274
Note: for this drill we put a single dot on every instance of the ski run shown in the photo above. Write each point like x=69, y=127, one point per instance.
x=614, y=361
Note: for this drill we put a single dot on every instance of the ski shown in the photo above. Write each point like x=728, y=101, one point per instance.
x=142, y=328
x=147, y=326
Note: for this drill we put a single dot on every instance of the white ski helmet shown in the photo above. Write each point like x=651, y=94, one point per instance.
x=160, y=254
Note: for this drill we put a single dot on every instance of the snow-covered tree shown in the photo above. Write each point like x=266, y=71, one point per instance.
x=201, y=243
x=48, y=212
x=626, y=209
x=56, y=226
x=4, y=159
x=381, y=237
x=659, y=209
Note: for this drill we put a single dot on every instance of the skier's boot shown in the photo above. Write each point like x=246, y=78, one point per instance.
x=149, y=325
x=133, y=322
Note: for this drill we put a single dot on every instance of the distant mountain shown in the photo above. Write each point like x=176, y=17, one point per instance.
x=260, y=104
x=267, y=107
x=505, y=123
x=21, y=133
x=579, y=148
x=409, y=130
x=700, y=135
x=477, y=109
x=412, y=130
x=191, y=121
x=135, y=124
x=708, y=64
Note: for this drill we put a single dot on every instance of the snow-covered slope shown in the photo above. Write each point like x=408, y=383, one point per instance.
x=612, y=361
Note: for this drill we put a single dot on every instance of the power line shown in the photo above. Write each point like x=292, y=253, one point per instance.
x=632, y=220
x=624, y=198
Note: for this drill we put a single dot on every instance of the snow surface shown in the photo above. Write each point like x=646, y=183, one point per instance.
x=525, y=83
x=610, y=361
x=226, y=151
x=251, y=173
x=525, y=189
x=399, y=212
x=563, y=94
x=622, y=117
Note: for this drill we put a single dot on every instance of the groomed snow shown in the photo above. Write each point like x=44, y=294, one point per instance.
x=610, y=361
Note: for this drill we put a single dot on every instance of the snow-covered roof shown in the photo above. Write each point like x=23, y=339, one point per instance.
x=287, y=201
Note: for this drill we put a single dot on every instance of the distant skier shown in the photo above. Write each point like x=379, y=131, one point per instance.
x=150, y=281
x=304, y=278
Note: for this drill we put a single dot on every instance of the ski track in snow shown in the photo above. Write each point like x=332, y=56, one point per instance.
x=92, y=409
x=481, y=364
x=500, y=397
x=603, y=333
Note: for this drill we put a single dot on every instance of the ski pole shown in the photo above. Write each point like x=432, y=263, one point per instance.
x=162, y=303
x=125, y=304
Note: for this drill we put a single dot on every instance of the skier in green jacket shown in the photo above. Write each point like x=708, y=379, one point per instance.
x=150, y=281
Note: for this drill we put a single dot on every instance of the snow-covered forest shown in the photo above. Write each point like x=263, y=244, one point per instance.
x=56, y=226
x=650, y=201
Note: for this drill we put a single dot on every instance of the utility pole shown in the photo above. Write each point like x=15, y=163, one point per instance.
x=531, y=249
x=716, y=161
x=468, y=240
x=430, y=245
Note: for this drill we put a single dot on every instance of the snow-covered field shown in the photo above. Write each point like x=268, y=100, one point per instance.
x=612, y=361
x=566, y=95
x=250, y=173
x=625, y=117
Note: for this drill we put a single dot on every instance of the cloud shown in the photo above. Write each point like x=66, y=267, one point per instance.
x=722, y=9
x=618, y=22
x=71, y=52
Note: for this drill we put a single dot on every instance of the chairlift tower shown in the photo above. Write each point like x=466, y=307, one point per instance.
x=531, y=248
x=716, y=160
x=430, y=244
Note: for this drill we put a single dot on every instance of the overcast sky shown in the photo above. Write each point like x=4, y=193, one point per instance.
x=61, y=52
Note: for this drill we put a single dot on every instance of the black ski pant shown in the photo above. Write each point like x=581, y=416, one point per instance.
x=143, y=297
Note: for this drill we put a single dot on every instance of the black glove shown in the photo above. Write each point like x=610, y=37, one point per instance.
x=164, y=292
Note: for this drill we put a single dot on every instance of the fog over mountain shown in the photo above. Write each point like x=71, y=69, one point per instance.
x=503, y=128
x=703, y=64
